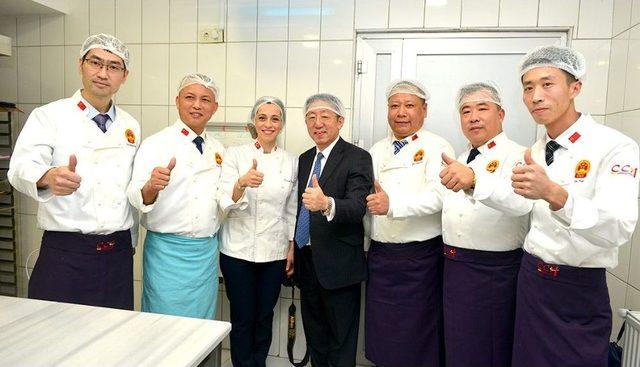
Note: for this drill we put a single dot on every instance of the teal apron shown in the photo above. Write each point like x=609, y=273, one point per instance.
x=180, y=275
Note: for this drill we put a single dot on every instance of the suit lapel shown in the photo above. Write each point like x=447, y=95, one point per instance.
x=334, y=160
x=304, y=169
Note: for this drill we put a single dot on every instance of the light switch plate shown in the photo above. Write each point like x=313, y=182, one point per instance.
x=211, y=35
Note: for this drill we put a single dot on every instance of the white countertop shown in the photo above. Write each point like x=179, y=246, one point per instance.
x=41, y=333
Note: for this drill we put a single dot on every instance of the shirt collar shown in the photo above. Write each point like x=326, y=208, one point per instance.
x=259, y=147
x=187, y=132
x=572, y=135
x=326, y=151
x=91, y=111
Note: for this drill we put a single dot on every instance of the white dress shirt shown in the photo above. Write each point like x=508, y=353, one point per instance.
x=188, y=206
x=411, y=180
x=502, y=226
x=260, y=225
x=598, y=167
x=59, y=129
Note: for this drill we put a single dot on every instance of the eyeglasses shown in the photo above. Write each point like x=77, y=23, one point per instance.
x=96, y=65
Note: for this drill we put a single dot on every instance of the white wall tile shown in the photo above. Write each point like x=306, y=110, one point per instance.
x=211, y=13
x=556, y=13
x=182, y=61
x=26, y=204
x=372, y=14
x=72, y=81
x=273, y=20
x=220, y=115
x=614, y=121
x=631, y=128
x=443, y=14
x=184, y=21
x=131, y=91
x=155, y=74
x=480, y=13
x=635, y=12
x=624, y=255
x=241, y=74
x=154, y=119
x=518, y=13
x=336, y=69
x=617, y=295
x=406, y=13
x=52, y=30
x=337, y=19
x=52, y=71
x=593, y=96
x=236, y=115
x=29, y=74
x=633, y=299
x=173, y=113
x=137, y=295
x=302, y=78
x=271, y=74
x=8, y=27
x=76, y=22
x=297, y=138
x=136, y=112
x=617, y=72
x=242, y=17
x=304, y=20
x=9, y=77
x=631, y=95
x=596, y=19
x=212, y=62
x=621, y=15
x=28, y=30
x=102, y=16
x=155, y=18
x=129, y=21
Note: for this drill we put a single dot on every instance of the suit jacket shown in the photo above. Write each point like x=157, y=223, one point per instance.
x=337, y=246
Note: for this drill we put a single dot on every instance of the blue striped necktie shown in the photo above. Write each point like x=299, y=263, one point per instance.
x=398, y=144
x=302, y=227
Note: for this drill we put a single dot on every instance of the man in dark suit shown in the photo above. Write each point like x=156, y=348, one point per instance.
x=334, y=177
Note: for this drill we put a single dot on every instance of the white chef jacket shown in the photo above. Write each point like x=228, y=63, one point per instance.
x=188, y=206
x=261, y=224
x=598, y=167
x=412, y=182
x=468, y=223
x=51, y=134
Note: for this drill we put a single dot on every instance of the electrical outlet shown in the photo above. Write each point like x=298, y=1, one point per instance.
x=211, y=35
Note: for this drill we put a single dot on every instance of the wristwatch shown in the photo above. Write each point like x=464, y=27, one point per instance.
x=327, y=211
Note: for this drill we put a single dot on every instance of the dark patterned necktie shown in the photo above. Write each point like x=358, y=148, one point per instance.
x=398, y=144
x=198, y=140
x=472, y=155
x=551, y=148
x=101, y=121
x=303, y=235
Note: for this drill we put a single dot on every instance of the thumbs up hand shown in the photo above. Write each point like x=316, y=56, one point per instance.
x=531, y=181
x=160, y=176
x=62, y=180
x=455, y=175
x=378, y=202
x=253, y=177
x=313, y=198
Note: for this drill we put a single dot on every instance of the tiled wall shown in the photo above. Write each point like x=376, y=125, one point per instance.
x=623, y=113
x=292, y=48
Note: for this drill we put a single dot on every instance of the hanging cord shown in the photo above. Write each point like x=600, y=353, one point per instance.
x=291, y=335
x=26, y=263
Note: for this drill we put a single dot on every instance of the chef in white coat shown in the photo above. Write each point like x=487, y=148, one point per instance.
x=258, y=187
x=174, y=184
x=74, y=156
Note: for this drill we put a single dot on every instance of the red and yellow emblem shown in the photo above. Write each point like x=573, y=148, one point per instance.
x=218, y=158
x=131, y=137
x=582, y=168
x=418, y=156
x=492, y=166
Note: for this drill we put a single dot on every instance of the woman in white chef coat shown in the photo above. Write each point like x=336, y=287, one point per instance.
x=258, y=188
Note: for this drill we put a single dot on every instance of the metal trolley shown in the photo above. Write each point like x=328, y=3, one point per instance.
x=631, y=339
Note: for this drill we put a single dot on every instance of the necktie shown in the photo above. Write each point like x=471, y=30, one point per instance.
x=101, y=121
x=472, y=155
x=198, y=140
x=551, y=148
x=398, y=144
x=302, y=227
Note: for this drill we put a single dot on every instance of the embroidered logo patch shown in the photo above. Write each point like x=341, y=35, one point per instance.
x=492, y=166
x=257, y=145
x=491, y=145
x=218, y=158
x=184, y=132
x=449, y=252
x=582, y=168
x=552, y=270
x=81, y=106
x=131, y=137
x=418, y=156
x=574, y=137
x=624, y=169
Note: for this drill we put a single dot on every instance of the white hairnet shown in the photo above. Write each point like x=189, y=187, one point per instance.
x=269, y=100
x=409, y=87
x=560, y=57
x=106, y=42
x=201, y=79
x=479, y=92
x=324, y=100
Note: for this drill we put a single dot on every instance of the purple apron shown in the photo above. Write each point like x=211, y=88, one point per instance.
x=403, y=307
x=563, y=316
x=88, y=269
x=479, y=293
